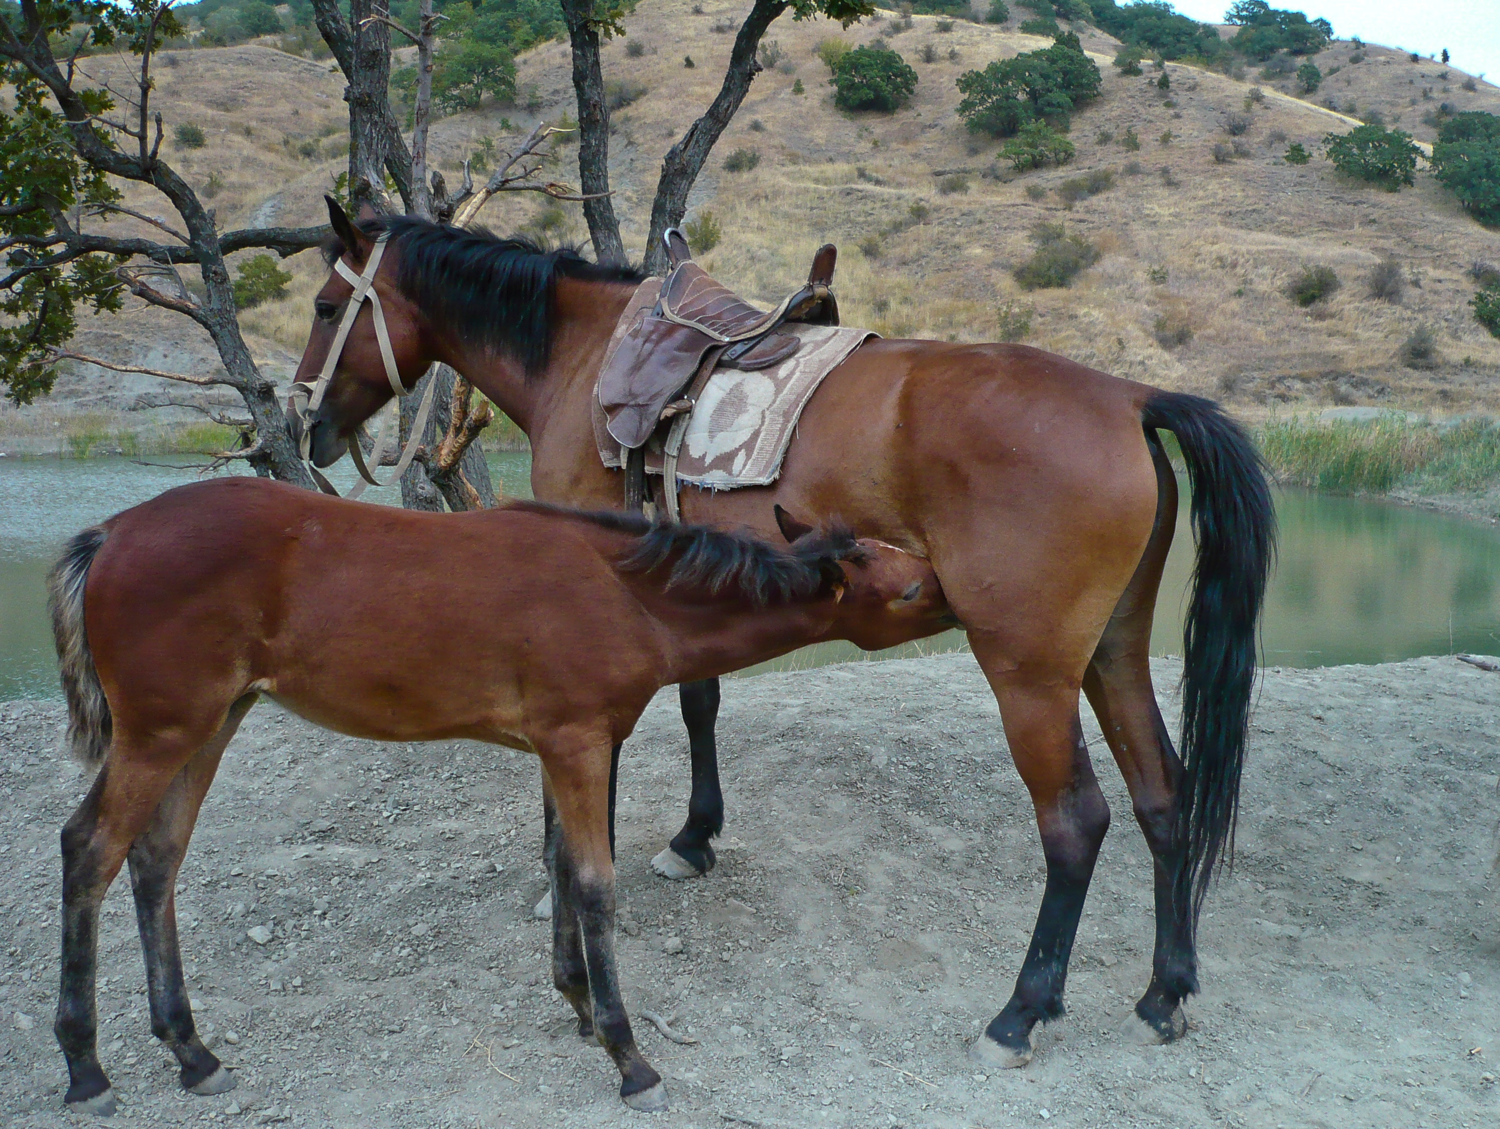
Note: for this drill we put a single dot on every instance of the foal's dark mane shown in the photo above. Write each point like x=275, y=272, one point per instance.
x=493, y=292
x=700, y=556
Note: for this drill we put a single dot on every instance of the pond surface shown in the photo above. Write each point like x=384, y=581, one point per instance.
x=1357, y=581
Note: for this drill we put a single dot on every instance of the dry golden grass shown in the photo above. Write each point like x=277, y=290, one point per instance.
x=1211, y=245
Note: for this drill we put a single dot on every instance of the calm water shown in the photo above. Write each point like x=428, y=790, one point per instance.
x=1357, y=582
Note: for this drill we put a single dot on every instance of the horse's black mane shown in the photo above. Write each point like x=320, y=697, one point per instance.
x=493, y=292
x=703, y=557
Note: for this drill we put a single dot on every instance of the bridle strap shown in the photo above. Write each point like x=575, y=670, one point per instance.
x=306, y=400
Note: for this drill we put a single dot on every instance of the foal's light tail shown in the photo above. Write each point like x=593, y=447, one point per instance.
x=1234, y=524
x=89, y=722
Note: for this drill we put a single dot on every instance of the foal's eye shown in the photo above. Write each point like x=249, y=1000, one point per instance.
x=912, y=593
x=326, y=311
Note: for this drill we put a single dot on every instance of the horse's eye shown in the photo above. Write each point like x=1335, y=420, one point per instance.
x=912, y=593
x=326, y=311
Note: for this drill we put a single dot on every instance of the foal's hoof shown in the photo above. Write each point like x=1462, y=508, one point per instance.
x=651, y=1100
x=543, y=909
x=669, y=864
x=219, y=1082
x=1155, y=1033
x=100, y=1105
x=997, y=1056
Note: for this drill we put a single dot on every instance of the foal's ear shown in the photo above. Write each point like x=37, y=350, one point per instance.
x=356, y=242
x=790, y=527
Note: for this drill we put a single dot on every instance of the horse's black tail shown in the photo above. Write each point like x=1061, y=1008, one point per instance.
x=90, y=723
x=1234, y=524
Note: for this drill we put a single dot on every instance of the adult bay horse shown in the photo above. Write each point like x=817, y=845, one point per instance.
x=1038, y=488
x=173, y=617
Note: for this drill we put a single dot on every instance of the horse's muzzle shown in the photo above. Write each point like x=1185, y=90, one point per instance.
x=327, y=446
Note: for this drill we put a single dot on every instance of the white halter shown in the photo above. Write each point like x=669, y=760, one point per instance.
x=306, y=400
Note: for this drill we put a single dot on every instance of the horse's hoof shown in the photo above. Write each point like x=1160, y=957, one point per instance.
x=543, y=909
x=651, y=1100
x=1145, y=1033
x=219, y=1082
x=996, y=1056
x=100, y=1105
x=669, y=864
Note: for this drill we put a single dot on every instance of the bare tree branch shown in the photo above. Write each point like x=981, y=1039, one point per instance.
x=183, y=378
x=156, y=223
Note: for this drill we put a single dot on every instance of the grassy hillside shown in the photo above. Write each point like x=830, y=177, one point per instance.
x=1189, y=291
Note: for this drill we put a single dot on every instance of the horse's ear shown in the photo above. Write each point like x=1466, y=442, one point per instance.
x=790, y=527
x=356, y=242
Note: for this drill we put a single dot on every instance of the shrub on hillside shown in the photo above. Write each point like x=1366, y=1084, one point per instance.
x=1386, y=157
x=1387, y=281
x=1309, y=78
x=1486, y=305
x=1313, y=285
x=622, y=92
x=953, y=184
x=260, y=280
x=1236, y=124
x=1046, y=84
x=998, y=13
x=741, y=160
x=873, y=78
x=1044, y=26
x=703, y=233
x=1466, y=158
x=635, y=49
x=1419, y=351
x=1059, y=258
x=1173, y=329
x=189, y=136
x=1091, y=183
x=1014, y=321
x=1035, y=145
x=1296, y=155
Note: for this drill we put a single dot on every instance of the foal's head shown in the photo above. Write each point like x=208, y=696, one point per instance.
x=445, y=292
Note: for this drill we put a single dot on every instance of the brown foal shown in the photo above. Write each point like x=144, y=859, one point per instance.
x=1038, y=488
x=172, y=617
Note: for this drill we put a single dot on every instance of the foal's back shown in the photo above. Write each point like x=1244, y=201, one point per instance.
x=374, y=621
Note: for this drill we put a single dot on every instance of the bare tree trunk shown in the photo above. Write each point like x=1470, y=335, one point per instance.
x=685, y=160
x=593, y=131
x=374, y=134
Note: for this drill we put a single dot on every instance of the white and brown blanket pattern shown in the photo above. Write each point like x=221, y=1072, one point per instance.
x=744, y=421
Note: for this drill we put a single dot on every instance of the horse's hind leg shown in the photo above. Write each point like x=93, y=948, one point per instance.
x=1040, y=713
x=95, y=841
x=1118, y=685
x=155, y=857
x=690, y=853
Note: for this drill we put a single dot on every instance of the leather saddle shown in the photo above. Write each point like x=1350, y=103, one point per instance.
x=696, y=325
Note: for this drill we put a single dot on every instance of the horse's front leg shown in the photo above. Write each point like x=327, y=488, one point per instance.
x=578, y=780
x=690, y=854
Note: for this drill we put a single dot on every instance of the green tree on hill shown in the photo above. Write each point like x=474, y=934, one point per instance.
x=1466, y=159
x=1265, y=30
x=1387, y=157
x=1155, y=29
x=873, y=78
x=1047, y=84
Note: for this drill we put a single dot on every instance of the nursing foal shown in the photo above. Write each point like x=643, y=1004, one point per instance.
x=542, y=629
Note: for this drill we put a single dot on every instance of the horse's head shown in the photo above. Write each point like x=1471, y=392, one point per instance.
x=889, y=596
x=360, y=381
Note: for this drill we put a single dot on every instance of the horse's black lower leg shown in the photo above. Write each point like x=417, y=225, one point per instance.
x=640, y=1084
x=570, y=974
x=153, y=873
x=690, y=853
x=77, y=1024
x=1073, y=818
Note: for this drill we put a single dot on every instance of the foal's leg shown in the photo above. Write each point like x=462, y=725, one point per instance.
x=570, y=974
x=580, y=788
x=155, y=857
x=95, y=841
x=1046, y=741
x=543, y=908
x=690, y=854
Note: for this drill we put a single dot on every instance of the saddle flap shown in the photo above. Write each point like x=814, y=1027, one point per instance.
x=650, y=366
x=764, y=352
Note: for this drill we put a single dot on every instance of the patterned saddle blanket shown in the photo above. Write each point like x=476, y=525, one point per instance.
x=743, y=420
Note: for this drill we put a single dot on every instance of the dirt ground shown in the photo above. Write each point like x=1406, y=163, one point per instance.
x=876, y=887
